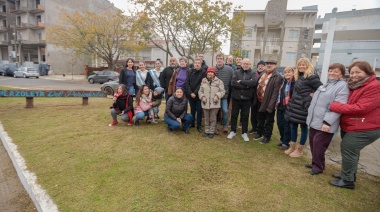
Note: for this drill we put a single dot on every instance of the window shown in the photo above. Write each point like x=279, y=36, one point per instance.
x=290, y=56
x=4, y=9
x=305, y=34
x=39, y=36
x=248, y=32
x=5, y=37
x=4, y=23
x=293, y=34
x=18, y=20
x=246, y=53
x=39, y=19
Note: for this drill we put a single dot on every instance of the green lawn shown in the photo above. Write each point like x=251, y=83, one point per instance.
x=85, y=165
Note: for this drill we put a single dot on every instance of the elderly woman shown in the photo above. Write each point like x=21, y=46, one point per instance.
x=360, y=121
x=175, y=112
x=322, y=122
x=179, y=77
x=210, y=94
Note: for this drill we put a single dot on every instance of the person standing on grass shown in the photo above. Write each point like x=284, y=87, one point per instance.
x=144, y=105
x=360, y=120
x=176, y=112
x=224, y=73
x=127, y=76
x=283, y=99
x=166, y=75
x=141, y=75
x=324, y=123
x=193, y=83
x=210, y=94
x=254, y=108
x=268, y=86
x=153, y=78
x=122, y=105
x=307, y=82
x=243, y=84
x=179, y=77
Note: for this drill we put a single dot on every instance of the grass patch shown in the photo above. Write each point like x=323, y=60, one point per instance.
x=87, y=166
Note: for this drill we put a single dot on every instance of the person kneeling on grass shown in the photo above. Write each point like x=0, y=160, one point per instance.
x=210, y=94
x=175, y=112
x=122, y=105
x=144, y=105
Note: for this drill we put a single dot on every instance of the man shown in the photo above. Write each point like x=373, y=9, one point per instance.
x=268, y=87
x=193, y=83
x=230, y=62
x=254, y=109
x=201, y=55
x=166, y=75
x=238, y=62
x=224, y=73
x=243, y=84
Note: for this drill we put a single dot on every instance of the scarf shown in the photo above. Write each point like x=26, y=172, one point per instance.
x=262, y=85
x=286, y=97
x=356, y=84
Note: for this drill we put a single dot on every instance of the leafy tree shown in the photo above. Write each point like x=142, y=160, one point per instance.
x=189, y=26
x=106, y=34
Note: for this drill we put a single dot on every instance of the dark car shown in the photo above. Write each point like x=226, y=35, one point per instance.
x=7, y=69
x=103, y=76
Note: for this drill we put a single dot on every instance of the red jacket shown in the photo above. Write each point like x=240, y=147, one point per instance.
x=362, y=111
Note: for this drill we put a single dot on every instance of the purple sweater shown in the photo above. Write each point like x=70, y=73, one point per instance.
x=181, y=79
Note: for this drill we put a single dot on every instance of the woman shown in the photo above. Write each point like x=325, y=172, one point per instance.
x=210, y=94
x=153, y=78
x=283, y=99
x=141, y=75
x=307, y=82
x=179, y=76
x=122, y=105
x=360, y=121
x=175, y=112
x=144, y=105
x=128, y=76
x=322, y=122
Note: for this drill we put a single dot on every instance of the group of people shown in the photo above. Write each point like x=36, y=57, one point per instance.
x=297, y=98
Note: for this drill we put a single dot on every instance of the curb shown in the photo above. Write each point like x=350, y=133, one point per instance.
x=40, y=198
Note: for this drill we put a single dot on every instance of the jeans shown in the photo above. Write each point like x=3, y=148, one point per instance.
x=167, y=96
x=141, y=115
x=224, y=106
x=196, y=107
x=294, y=132
x=131, y=90
x=114, y=114
x=174, y=124
x=283, y=127
x=241, y=106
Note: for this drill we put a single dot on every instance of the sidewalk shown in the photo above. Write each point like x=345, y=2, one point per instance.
x=66, y=77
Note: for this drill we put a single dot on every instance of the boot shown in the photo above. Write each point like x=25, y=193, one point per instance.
x=292, y=147
x=298, y=152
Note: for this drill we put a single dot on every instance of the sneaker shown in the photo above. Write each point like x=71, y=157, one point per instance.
x=154, y=122
x=231, y=135
x=283, y=147
x=265, y=140
x=245, y=137
x=252, y=131
x=113, y=123
x=257, y=137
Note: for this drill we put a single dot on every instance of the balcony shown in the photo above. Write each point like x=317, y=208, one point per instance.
x=23, y=26
x=273, y=42
x=40, y=25
x=3, y=15
x=19, y=10
x=38, y=9
x=3, y=29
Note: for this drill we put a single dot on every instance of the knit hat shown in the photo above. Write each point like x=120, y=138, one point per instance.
x=159, y=90
x=211, y=69
x=260, y=63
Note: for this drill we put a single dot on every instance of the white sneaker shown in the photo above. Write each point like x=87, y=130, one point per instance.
x=245, y=137
x=231, y=135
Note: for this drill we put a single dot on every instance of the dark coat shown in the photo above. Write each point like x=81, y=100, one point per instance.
x=244, y=89
x=193, y=82
x=124, y=103
x=176, y=107
x=297, y=109
x=271, y=92
x=165, y=77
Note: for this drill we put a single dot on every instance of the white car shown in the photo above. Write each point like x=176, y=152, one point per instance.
x=26, y=72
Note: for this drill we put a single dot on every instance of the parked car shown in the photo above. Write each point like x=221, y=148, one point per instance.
x=26, y=72
x=103, y=76
x=110, y=87
x=7, y=69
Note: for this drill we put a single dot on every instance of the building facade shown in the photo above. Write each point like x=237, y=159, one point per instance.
x=276, y=32
x=23, y=25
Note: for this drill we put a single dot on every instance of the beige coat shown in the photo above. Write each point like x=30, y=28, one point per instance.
x=210, y=90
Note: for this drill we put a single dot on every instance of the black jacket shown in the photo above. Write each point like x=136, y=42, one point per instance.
x=193, y=82
x=176, y=107
x=296, y=110
x=165, y=77
x=124, y=103
x=244, y=89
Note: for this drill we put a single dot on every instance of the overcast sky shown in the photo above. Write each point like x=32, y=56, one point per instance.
x=324, y=6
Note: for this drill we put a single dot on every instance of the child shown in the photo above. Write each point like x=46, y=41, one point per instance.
x=157, y=99
x=144, y=105
x=283, y=99
x=122, y=105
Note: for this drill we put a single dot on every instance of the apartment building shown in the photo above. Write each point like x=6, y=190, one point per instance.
x=23, y=25
x=285, y=35
x=348, y=36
